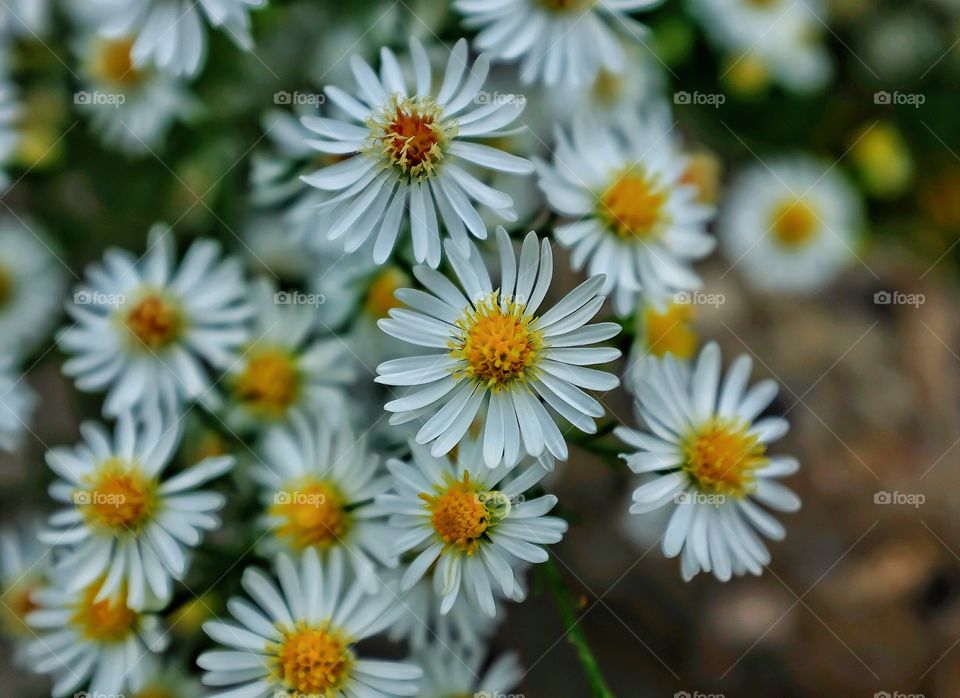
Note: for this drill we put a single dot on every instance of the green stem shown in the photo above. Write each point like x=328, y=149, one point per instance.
x=565, y=605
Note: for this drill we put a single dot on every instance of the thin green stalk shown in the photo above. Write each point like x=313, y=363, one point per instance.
x=575, y=636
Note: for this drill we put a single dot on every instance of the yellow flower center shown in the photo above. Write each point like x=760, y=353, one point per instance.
x=794, y=223
x=461, y=514
x=499, y=345
x=119, y=498
x=154, y=322
x=721, y=458
x=313, y=662
x=103, y=621
x=633, y=206
x=411, y=135
x=6, y=287
x=568, y=5
x=113, y=63
x=155, y=692
x=270, y=383
x=380, y=299
x=607, y=87
x=313, y=515
x=669, y=332
x=703, y=174
x=17, y=605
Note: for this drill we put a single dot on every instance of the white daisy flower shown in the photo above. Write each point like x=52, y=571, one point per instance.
x=144, y=327
x=31, y=286
x=301, y=639
x=637, y=220
x=88, y=639
x=468, y=523
x=24, y=563
x=499, y=358
x=557, y=42
x=406, y=155
x=319, y=482
x=17, y=402
x=130, y=108
x=171, y=34
x=124, y=523
x=791, y=225
x=457, y=669
x=776, y=39
x=285, y=370
x=708, y=450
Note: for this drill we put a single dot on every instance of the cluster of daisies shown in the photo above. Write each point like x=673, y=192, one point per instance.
x=387, y=368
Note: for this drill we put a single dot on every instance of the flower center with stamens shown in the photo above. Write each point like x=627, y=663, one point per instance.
x=669, y=332
x=6, y=287
x=461, y=513
x=498, y=344
x=794, y=223
x=380, y=298
x=722, y=458
x=154, y=322
x=634, y=205
x=312, y=514
x=120, y=497
x=567, y=5
x=270, y=383
x=113, y=63
x=313, y=662
x=106, y=621
x=411, y=135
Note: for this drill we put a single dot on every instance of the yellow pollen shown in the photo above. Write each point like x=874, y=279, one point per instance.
x=794, y=223
x=313, y=515
x=380, y=299
x=633, y=206
x=721, y=458
x=6, y=287
x=669, y=332
x=103, y=621
x=113, y=63
x=459, y=515
x=313, y=662
x=499, y=345
x=411, y=135
x=154, y=322
x=270, y=383
x=119, y=497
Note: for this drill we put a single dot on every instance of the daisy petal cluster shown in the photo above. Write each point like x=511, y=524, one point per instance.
x=706, y=454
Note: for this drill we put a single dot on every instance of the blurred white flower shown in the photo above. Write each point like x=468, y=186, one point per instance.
x=24, y=564
x=299, y=640
x=123, y=523
x=457, y=669
x=708, y=450
x=17, y=402
x=145, y=326
x=790, y=225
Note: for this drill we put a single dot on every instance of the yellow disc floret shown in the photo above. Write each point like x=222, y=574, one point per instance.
x=499, y=343
x=270, y=382
x=411, y=135
x=154, y=322
x=461, y=513
x=794, y=223
x=633, y=206
x=380, y=298
x=106, y=621
x=113, y=63
x=120, y=497
x=721, y=457
x=669, y=331
x=314, y=662
x=312, y=514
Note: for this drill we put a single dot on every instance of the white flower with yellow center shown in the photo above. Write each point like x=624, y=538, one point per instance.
x=708, y=452
x=409, y=155
x=123, y=521
x=31, y=286
x=790, y=226
x=663, y=327
x=453, y=669
x=319, y=482
x=637, y=220
x=171, y=34
x=557, y=42
x=500, y=358
x=130, y=108
x=17, y=402
x=144, y=327
x=468, y=524
x=300, y=640
x=286, y=369
x=24, y=563
x=86, y=638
